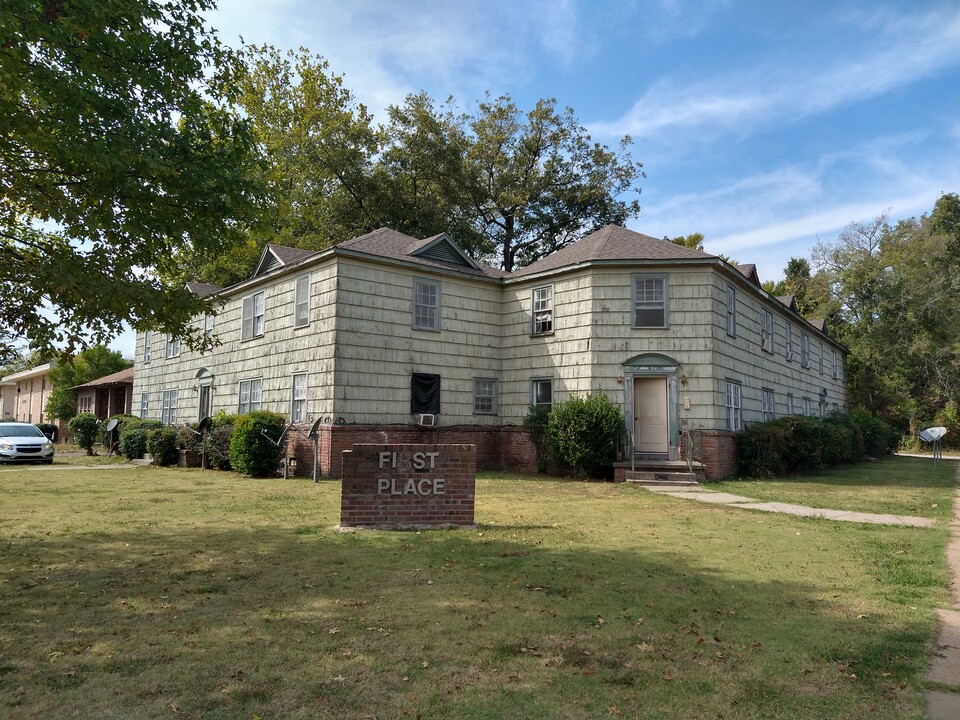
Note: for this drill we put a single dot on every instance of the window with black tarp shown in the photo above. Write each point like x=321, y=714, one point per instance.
x=424, y=393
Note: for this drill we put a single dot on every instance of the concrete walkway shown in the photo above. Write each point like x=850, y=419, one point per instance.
x=712, y=496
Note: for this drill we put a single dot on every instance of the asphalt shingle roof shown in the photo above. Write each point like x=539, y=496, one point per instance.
x=203, y=289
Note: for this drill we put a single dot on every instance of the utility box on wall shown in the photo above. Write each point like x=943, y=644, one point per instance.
x=408, y=485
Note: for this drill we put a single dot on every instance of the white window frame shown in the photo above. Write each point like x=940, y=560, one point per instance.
x=247, y=390
x=734, y=405
x=144, y=404
x=645, y=298
x=541, y=305
x=806, y=406
x=301, y=301
x=298, y=398
x=253, y=311
x=791, y=408
x=731, y=311
x=789, y=349
x=534, y=383
x=768, y=405
x=821, y=357
x=484, y=396
x=836, y=366
x=804, y=350
x=207, y=324
x=168, y=407
x=766, y=330
x=147, y=345
x=426, y=304
x=172, y=347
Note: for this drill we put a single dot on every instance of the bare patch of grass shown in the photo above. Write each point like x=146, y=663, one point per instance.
x=177, y=593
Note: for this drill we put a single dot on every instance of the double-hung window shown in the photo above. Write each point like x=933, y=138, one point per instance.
x=147, y=345
x=820, y=345
x=790, y=407
x=542, y=304
x=298, y=403
x=806, y=406
x=168, y=407
x=207, y=325
x=650, y=301
x=426, y=304
x=541, y=392
x=731, y=311
x=789, y=349
x=144, y=404
x=768, y=408
x=484, y=396
x=804, y=350
x=301, y=302
x=766, y=330
x=836, y=366
x=173, y=346
x=253, y=311
x=249, y=400
x=733, y=404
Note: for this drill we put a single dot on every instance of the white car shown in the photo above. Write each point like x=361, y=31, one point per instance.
x=23, y=442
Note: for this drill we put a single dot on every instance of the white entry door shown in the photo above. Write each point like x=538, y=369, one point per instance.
x=651, y=422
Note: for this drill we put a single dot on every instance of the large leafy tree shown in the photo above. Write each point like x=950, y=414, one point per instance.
x=118, y=154
x=92, y=363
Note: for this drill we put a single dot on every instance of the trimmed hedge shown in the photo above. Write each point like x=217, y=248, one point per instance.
x=797, y=443
x=133, y=433
x=584, y=433
x=250, y=452
x=162, y=444
x=86, y=430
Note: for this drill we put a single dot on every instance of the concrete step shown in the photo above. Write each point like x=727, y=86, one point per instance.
x=661, y=477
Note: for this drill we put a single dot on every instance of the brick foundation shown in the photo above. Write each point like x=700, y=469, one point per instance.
x=408, y=485
x=716, y=449
x=497, y=448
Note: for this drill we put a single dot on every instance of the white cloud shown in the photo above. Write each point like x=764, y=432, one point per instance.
x=777, y=92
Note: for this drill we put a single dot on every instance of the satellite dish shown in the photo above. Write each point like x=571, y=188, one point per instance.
x=932, y=434
x=314, y=428
x=204, y=424
x=112, y=424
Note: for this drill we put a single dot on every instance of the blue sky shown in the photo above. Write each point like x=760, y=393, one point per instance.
x=766, y=126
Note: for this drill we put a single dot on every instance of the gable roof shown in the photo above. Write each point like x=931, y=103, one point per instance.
x=117, y=378
x=203, y=289
x=749, y=271
x=613, y=243
x=789, y=301
x=275, y=257
x=438, y=251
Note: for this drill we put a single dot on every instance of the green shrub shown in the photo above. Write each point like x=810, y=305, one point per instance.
x=189, y=439
x=86, y=430
x=162, y=444
x=879, y=438
x=537, y=424
x=216, y=443
x=133, y=432
x=584, y=433
x=250, y=452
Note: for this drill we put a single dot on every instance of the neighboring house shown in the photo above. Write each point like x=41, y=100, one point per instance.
x=106, y=396
x=24, y=395
x=383, y=334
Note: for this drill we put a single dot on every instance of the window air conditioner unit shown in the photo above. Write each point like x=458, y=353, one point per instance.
x=426, y=419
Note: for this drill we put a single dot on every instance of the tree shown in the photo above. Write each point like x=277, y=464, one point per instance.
x=119, y=153
x=694, y=241
x=92, y=363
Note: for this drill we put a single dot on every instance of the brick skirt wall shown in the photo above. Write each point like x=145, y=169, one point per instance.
x=716, y=449
x=497, y=448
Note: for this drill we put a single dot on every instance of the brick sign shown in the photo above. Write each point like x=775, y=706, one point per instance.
x=408, y=485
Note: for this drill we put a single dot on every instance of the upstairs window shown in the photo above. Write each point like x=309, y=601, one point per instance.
x=650, y=301
x=836, y=366
x=424, y=394
x=821, y=358
x=541, y=392
x=542, y=304
x=301, y=303
x=173, y=346
x=147, y=344
x=789, y=350
x=207, y=325
x=426, y=305
x=731, y=311
x=804, y=350
x=766, y=330
x=250, y=396
x=484, y=396
x=253, y=310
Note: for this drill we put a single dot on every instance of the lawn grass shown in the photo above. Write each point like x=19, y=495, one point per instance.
x=162, y=593
x=895, y=485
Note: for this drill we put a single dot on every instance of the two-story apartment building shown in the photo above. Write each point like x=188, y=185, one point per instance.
x=389, y=338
